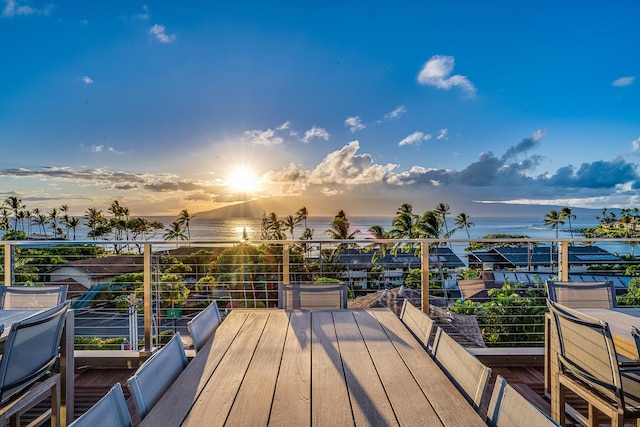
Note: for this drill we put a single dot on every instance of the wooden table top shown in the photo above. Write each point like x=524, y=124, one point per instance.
x=619, y=319
x=345, y=367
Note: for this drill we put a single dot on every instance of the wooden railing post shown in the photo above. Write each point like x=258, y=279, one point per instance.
x=424, y=246
x=563, y=261
x=147, y=297
x=285, y=264
x=9, y=251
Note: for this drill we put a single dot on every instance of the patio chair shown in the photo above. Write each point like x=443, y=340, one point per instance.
x=31, y=297
x=312, y=296
x=463, y=368
x=635, y=333
x=418, y=322
x=111, y=410
x=156, y=374
x=203, y=325
x=508, y=408
x=27, y=366
x=590, y=369
x=582, y=294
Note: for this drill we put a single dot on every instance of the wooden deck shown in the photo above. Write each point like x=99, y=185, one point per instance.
x=92, y=384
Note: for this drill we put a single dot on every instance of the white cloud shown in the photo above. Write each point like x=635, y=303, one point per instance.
x=415, y=138
x=315, y=132
x=159, y=32
x=354, y=124
x=437, y=72
x=338, y=168
x=144, y=16
x=264, y=137
x=269, y=136
x=18, y=7
x=443, y=134
x=635, y=145
x=395, y=114
x=87, y=80
x=624, y=81
x=285, y=125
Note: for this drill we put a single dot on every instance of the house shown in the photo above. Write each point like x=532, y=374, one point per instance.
x=94, y=271
x=539, y=258
x=358, y=265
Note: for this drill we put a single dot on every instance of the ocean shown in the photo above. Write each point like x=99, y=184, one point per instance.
x=232, y=229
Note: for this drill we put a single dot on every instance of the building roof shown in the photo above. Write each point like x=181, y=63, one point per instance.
x=518, y=256
x=440, y=256
x=108, y=266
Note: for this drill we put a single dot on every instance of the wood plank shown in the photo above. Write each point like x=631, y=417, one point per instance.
x=369, y=402
x=174, y=405
x=409, y=403
x=329, y=395
x=449, y=404
x=213, y=405
x=292, y=399
x=258, y=386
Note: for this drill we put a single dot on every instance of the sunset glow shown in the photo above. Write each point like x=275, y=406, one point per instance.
x=243, y=180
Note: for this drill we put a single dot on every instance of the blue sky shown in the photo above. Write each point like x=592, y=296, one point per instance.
x=163, y=105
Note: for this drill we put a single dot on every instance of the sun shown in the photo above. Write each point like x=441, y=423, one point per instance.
x=243, y=180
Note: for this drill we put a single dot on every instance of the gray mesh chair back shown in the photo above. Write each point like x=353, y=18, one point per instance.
x=31, y=297
x=582, y=294
x=418, y=322
x=463, y=368
x=635, y=333
x=589, y=365
x=312, y=296
x=156, y=374
x=31, y=350
x=110, y=411
x=508, y=408
x=203, y=325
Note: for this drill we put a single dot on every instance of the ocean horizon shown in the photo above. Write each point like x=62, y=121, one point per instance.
x=232, y=229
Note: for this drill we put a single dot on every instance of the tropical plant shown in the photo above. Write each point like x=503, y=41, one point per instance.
x=553, y=219
x=463, y=222
x=185, y=219
x=565, y=212
x=174, y=231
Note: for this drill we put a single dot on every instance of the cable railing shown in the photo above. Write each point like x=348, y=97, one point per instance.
x=486, y=292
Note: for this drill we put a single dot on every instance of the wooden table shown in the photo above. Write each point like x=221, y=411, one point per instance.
x=9, y=317
x=327, y=368
x=619, y=319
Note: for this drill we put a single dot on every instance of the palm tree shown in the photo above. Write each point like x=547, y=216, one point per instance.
x=175, y=231
x=301, y=215
x=379, y=248
x=289, y=222
x=463, y=221
x=73, y=224
x=340, y=228
x=53, y=215
x=553, y=219
x=94, y=219
x=42, y=221
x=566, y=213
x=15, y=204
x=404, y=223
x=271, y=227
x=184, y=219
x=442, y=209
